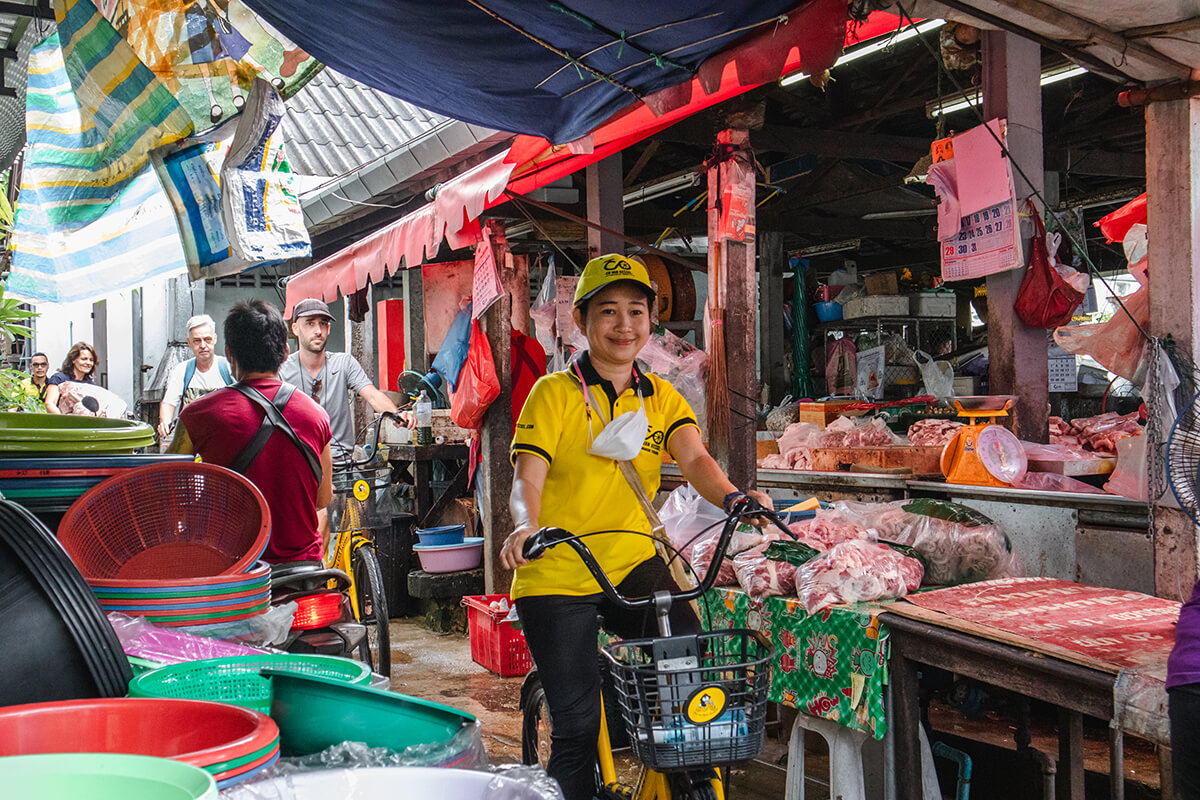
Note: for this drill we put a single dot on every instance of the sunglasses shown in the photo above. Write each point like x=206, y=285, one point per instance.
x=39, y=364
x=316, y=390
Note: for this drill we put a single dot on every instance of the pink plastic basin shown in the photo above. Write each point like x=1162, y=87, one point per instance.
x=451, y=557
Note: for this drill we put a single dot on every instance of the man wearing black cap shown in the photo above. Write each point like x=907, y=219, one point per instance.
x=328, y=377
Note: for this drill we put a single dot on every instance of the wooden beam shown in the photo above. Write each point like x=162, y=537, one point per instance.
x=839, y=143
x=732, y=279
x=1163, y=29
x=773, y=262
x=641, y=163
x=786, y=221
x=1019, y=355
x=604, y=207
x=495, y=471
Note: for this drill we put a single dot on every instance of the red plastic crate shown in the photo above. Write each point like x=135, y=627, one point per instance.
x=495, y=645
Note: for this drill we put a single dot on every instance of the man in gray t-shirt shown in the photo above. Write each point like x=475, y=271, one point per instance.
x=329, y=378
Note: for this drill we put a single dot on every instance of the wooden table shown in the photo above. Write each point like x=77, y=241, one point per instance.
x=1076, y=690
x=417, y=463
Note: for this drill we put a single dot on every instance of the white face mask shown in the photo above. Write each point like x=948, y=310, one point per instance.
x=621, y=439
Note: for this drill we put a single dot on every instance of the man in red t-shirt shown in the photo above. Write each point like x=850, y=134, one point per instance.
x=220, y=425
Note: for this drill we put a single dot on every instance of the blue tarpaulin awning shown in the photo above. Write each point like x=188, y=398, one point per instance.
x=551, y=69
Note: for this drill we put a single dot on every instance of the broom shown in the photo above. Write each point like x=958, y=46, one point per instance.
x=716, y=383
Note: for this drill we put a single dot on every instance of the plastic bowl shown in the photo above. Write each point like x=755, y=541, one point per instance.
x=829, y=312
x=446, y=534
x=451, y=557
x=105, y=776
x=195, y=732
x=380, y=783
x=315, y=713
x=237, y=680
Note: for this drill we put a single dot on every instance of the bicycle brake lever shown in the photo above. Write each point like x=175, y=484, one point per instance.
x=537, y=544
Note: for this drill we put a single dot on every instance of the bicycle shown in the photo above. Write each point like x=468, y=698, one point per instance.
x=352, y=550
x=688, y=703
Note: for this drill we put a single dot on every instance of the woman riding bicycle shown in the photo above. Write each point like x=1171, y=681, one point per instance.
x=577, y=427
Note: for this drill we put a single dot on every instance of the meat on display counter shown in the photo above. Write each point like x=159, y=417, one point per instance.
x=1099, y=540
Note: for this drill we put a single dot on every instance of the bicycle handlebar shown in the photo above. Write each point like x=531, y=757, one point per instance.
x=546, y=538
x=376, y=424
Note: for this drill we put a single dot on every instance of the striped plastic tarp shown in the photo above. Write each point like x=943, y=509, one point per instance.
x=92, y=216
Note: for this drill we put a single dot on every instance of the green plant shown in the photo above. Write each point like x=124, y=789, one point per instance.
x=14, y=319
x=14, y=324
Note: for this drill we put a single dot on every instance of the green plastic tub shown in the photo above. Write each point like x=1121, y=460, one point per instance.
x=141, y=666
x=104, y=776
x=237, y=679
x=26, y=434
x=315, y=713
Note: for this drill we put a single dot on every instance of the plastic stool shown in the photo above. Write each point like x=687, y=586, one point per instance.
x=845, y=758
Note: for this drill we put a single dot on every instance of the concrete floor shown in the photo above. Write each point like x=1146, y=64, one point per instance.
x=439, y=667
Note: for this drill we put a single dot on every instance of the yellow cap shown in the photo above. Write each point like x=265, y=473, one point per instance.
x=603, y=270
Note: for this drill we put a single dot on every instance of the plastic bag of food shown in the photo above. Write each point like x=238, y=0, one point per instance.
x=763, y=577
x=959, y=544
x=829, y=527
x=841, y=366
x=743, y=539
x=855, y=572
x=688, y=518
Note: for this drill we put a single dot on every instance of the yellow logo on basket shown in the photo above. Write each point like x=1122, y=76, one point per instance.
x=705, y=705
x=362, y=490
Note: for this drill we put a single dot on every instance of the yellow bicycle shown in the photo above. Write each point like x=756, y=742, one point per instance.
x=688, y=704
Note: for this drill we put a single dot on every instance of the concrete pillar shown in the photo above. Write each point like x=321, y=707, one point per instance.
x=605, y=206
x=1173, y=219
x=1019, y=362
x=415, y=358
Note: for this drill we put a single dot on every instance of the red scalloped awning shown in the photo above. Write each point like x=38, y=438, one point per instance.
x=811, y=40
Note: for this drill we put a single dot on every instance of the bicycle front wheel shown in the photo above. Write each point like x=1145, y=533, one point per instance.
x=372, y=606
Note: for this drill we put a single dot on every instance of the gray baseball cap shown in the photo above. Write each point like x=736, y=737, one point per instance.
x=310, y=308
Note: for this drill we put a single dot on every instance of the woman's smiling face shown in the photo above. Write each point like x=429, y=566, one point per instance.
x=84, y=362
x=617, y=323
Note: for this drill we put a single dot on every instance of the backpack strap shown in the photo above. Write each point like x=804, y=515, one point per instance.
x=223, y=368
x=273, y=420
x=189, y=372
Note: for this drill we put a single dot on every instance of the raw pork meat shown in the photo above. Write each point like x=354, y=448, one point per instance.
x=743, y=539
x=760, y=576
x=932, y=432
x=1101, y=433
x=774, y=461
x=828, y=528
x=854, y=572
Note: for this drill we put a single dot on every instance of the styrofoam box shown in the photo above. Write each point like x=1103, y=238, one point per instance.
x=933, y=304
x=876, y=306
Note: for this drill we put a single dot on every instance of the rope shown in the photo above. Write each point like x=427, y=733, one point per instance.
x=976, y=108
x=570, y=59
x=661, y=61
x=546, y=236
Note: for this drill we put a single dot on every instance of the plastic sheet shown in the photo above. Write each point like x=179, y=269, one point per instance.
x=1053, y=482
x=464, y=750
x=855, y=572
x=688, y=518
x=1140, y=705
x=1117, y=344
x=143, y=639
x=508, y=782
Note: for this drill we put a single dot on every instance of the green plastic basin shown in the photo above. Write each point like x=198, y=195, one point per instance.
x=104, y=776
x=315, y=713
x=61, y=433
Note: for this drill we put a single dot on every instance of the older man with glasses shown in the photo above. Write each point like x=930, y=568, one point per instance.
x=196, y=377
x=330, y=378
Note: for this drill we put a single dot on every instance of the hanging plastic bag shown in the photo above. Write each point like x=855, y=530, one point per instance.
x=688, y=518
x=1046, y=299
x=937, y=375
x=1118, y=344
x=543, y=310
x=478, y=385
x=453, y=350
x=841, y=366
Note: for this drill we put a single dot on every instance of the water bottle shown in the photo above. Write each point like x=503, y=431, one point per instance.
x=423, y=409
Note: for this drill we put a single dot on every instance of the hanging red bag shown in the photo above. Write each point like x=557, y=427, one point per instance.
x=1045, y=299
x=478, y=385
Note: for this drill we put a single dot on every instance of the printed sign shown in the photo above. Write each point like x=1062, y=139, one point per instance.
x=486, y=288
x=988, y=241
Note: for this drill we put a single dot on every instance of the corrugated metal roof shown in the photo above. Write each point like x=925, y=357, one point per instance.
x=334, y=125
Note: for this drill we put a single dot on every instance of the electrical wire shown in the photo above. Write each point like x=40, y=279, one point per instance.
x=977, y=109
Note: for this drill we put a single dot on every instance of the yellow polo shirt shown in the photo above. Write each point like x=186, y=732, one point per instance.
x=585, y=493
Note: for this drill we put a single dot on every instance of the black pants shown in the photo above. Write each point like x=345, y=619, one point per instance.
x=561, y=632
x=1184, y=705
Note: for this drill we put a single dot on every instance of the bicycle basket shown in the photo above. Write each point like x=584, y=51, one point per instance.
x=711, y=710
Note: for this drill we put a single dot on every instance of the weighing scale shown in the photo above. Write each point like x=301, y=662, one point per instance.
x=983, y=453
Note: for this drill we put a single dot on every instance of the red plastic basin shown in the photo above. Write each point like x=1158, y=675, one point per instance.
x=197, y=732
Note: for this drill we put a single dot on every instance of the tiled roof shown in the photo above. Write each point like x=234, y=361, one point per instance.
x=334, y=125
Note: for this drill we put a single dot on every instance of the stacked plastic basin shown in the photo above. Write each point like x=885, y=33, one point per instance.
x=176, y=543
x=53, y=483
x=230, y=743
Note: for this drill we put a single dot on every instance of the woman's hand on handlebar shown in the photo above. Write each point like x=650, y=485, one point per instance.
x=760, y=500
x=511, y=556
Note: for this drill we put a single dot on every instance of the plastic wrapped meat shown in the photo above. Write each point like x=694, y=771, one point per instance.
x=760, y=576
x=743, y=539
x=855, y=572
x=828, y=528
x=932, y=432
x=1101, y=433
x=873, y=432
